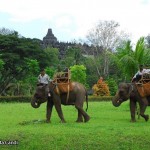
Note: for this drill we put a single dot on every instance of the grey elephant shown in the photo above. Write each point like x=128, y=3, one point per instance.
x=75, y=97
x=129, y=91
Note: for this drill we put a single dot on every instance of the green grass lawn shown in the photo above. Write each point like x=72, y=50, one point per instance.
x=109, y=128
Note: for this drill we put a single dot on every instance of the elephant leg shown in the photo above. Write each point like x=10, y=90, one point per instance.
x=57, y=103
x=143, y=108
x=138, y=110
x=132, y=110
x=85, y=115
x=80, y=118
x=49, y=111
x=60, y=114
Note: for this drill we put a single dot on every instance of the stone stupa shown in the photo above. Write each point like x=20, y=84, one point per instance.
x=49, y=39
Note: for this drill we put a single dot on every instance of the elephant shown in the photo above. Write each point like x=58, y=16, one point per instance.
x=75, y=97
x=129, y=91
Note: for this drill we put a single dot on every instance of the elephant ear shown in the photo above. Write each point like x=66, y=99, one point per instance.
x=44, y=88
x=130, y=88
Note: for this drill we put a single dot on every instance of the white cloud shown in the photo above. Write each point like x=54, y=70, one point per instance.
x=76, y=17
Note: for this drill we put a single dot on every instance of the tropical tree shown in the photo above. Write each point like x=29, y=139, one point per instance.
x=52, y=56
x=32, y=73
x=27, y=85
x=78, y=73
x=112, y=86
x=14, y=51
x=73, y=56
x=1, y=64
x=130, y=59
x=92, y=73
x=50, y=71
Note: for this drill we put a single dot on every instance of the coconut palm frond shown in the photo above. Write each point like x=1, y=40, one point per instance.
x=139, y=51
x=129, y=65
x=126, y=50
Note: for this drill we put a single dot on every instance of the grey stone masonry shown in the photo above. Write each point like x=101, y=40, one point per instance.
x=49, y=39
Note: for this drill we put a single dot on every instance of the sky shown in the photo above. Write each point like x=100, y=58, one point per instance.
x=72, y=19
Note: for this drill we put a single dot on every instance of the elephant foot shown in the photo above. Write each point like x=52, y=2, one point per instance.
x=132, y=120
x=79, y=120
x=86, y=119
x=146, y=117
x=48, y=121
x=62, y=121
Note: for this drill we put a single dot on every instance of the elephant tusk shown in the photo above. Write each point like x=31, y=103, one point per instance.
x=120, y=100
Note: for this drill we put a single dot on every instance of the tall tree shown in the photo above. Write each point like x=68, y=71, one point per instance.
x=14, y=50
x=1, y=64
x=5, y=31
x=105, y=34
x=73, y=56
x=52, y=56
x=130, y=58
x=78, y=73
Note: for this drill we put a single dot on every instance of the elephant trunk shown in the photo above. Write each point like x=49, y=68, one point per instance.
x=35, y=104
x=116, y=101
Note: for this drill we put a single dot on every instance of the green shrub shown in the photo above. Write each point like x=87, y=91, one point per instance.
x=99, y=98
x=78, y=73
x=15, y=98
x=27, y=99
x=112, y=86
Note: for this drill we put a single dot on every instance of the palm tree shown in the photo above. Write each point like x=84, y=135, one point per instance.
x=130, y=59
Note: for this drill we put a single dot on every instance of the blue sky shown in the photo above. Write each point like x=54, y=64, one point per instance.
x=71, y=19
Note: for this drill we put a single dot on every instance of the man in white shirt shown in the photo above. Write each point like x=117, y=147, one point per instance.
x=44, y=79
x=139, y=74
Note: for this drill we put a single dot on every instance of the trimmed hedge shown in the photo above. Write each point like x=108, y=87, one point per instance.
x=15, y=99
x=100, y=98
x=28, y=98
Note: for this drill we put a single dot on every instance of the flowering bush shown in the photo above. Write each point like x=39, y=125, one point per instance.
x=101, y=88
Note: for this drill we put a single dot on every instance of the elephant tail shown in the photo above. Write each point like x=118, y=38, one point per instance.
x=86, y=96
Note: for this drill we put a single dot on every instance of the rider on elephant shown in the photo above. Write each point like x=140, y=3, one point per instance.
x=139, y=74
x=44, y=79
x=67, y=73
